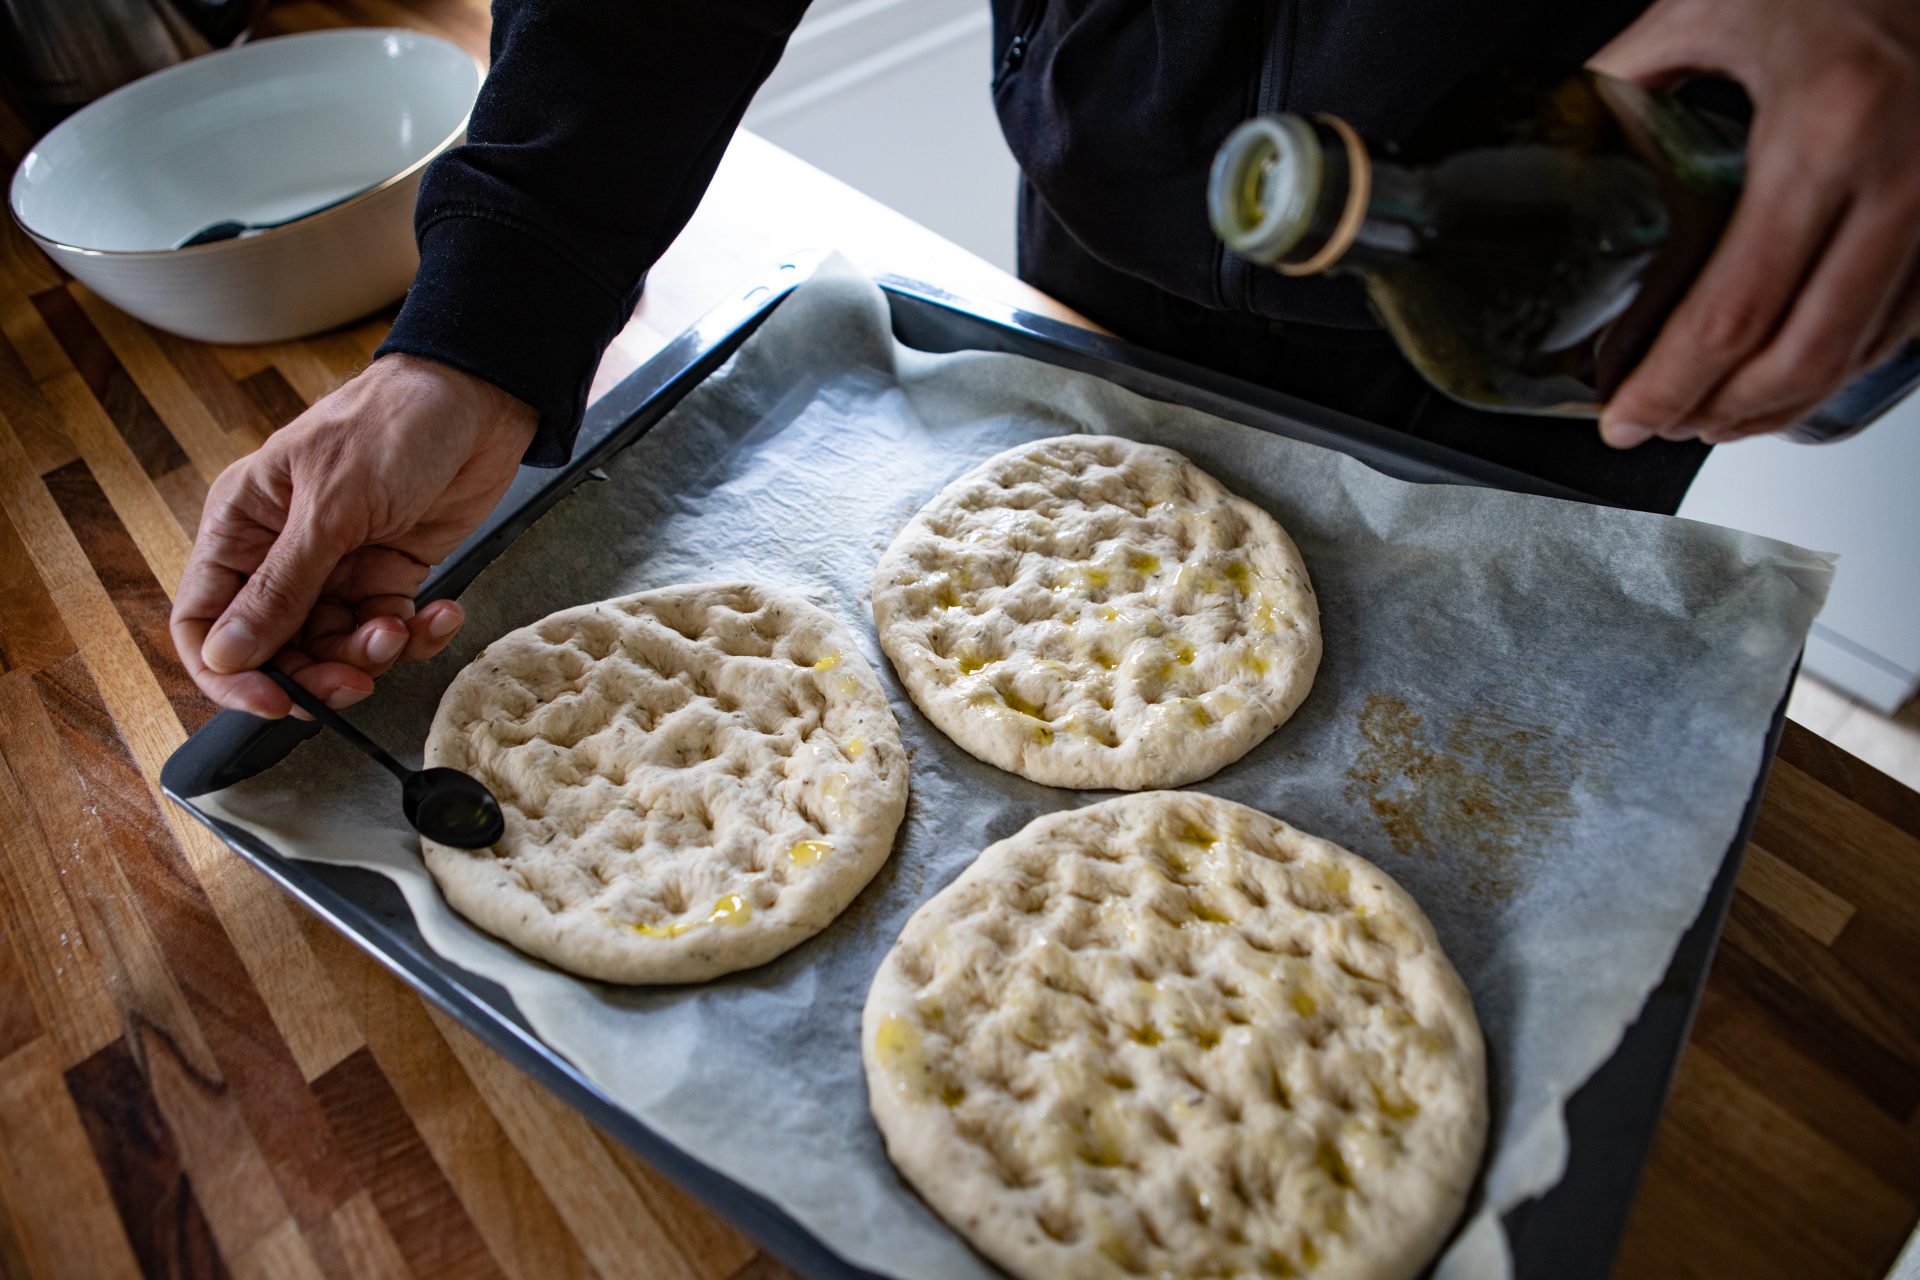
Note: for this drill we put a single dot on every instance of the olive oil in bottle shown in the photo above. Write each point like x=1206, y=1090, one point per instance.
x=1524, y=246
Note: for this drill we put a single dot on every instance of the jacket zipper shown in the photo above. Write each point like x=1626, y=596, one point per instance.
x=1235, y=273
x=1027, y=19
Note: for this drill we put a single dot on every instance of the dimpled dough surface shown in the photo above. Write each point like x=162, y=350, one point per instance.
x=1168, y=1035
x=1087, y=611
x=694, y=779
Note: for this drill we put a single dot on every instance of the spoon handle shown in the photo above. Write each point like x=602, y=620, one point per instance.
x=333, y=720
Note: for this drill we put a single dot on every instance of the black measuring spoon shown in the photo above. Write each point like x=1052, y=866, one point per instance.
x=444, y=805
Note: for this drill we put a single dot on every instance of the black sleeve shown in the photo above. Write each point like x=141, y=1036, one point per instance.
x=598, y=128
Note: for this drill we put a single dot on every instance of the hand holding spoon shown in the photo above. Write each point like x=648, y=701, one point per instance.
x=444, y=805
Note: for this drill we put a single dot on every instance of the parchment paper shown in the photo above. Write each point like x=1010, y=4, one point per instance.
x=1542, y=718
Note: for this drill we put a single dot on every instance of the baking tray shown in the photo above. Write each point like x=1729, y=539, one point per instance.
x=1569, y=1233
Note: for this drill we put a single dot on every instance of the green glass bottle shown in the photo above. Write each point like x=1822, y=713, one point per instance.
x=1524, y=246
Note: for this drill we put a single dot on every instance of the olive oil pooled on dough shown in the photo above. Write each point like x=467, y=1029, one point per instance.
x=1524, y=247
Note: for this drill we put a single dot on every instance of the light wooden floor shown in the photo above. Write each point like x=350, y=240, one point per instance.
x=1890, y=744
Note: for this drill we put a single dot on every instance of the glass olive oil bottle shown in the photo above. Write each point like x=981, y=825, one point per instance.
x=1524, y=246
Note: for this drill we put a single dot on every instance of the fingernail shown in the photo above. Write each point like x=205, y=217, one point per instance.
x=341, y=699
x=445, y=623
x=1625, y=435
x=230, y=646
x=385, y=644
x=259, y=707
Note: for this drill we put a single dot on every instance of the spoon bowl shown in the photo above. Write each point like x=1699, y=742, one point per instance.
x=444, y=805
x=452, y=808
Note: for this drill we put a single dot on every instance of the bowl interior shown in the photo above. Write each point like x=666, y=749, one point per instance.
x=256, y=134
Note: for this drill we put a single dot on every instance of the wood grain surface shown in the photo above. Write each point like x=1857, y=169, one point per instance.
x=197, y=1079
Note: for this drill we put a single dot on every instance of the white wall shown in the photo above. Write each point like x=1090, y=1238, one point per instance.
x=891, y=96
x=1860, y=498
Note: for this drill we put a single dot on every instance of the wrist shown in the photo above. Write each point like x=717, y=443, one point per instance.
x=463, y=398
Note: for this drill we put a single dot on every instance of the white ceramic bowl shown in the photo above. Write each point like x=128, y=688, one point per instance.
x=254, y=134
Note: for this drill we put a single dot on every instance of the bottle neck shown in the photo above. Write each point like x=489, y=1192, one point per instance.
x=1306, y=196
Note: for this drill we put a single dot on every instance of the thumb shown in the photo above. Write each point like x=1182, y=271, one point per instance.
x=273, y=605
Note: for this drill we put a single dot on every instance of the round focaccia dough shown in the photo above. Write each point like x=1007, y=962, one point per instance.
x=1087, y=611
x=694, y=780
x=1169, y=1035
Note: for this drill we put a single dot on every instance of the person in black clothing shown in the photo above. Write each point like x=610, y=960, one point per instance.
x=602, y=122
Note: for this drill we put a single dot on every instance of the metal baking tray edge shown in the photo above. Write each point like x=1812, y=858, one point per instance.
x=1571, y=1232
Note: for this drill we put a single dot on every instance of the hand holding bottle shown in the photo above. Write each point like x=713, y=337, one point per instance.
x=1818, y=275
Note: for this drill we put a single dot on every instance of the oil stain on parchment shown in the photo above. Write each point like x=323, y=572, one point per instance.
x=1483, y=789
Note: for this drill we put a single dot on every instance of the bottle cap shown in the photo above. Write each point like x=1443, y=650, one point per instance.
x=1265, y=184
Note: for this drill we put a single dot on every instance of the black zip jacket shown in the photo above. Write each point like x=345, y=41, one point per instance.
x=602, y=122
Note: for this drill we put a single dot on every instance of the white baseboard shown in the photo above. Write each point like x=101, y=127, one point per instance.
x=1859, y=673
